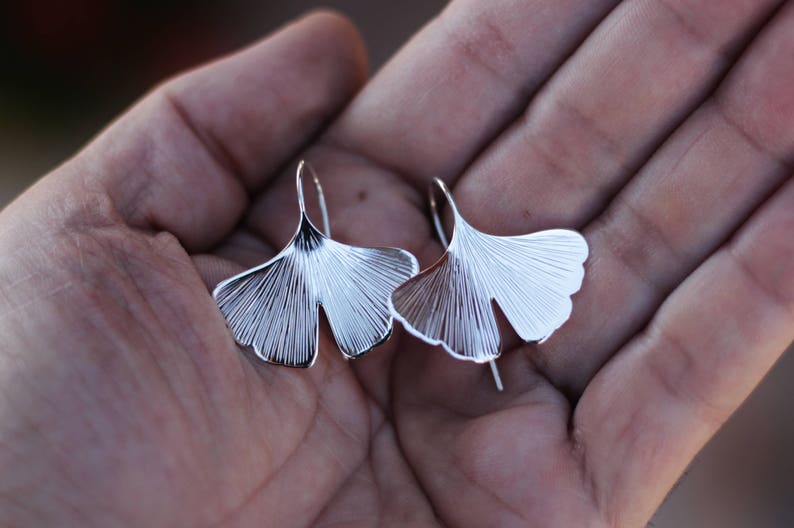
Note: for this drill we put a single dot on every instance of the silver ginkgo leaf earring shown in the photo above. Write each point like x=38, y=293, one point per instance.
x=273, y=308
x=530, y=277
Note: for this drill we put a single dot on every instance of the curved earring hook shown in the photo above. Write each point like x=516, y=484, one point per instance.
x=304, y=166
x=431, y=195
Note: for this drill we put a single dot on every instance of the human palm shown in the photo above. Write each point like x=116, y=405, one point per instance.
x=124, y=400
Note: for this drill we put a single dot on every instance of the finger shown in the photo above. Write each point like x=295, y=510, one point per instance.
x=182, y=159
x=695, y=191
x=459, y=81
x=655, y=405
x=641, y=72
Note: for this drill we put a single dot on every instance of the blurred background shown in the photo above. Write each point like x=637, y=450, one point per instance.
x=67, y=68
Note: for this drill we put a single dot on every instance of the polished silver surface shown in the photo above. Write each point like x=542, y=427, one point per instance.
x=530, y=277
x=273, y=308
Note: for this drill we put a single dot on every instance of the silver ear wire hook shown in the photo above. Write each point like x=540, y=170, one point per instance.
x=302, y=167
x=442, y=237
x=431, y=195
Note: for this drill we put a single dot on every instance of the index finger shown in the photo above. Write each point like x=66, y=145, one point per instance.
x=459, y=81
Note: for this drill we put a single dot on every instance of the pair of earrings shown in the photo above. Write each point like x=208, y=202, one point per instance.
x=273, y=308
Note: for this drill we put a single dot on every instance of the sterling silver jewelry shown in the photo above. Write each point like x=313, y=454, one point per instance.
x=530, y=277
x=273, y=308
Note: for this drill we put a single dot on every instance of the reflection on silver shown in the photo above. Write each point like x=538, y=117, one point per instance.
x=530, y=277
x=273, y=308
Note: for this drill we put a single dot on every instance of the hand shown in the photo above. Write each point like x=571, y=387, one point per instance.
x=125, y=402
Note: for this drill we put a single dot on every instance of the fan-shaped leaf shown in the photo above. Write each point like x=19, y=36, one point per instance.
x=273, y=308
x=530, y=277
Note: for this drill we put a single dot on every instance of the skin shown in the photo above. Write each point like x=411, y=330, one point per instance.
x=662, y=130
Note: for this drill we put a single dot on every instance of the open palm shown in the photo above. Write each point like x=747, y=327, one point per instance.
x=124, y=401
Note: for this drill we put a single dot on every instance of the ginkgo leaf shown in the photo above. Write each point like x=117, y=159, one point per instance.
x=530, y=277
x=273, y=308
